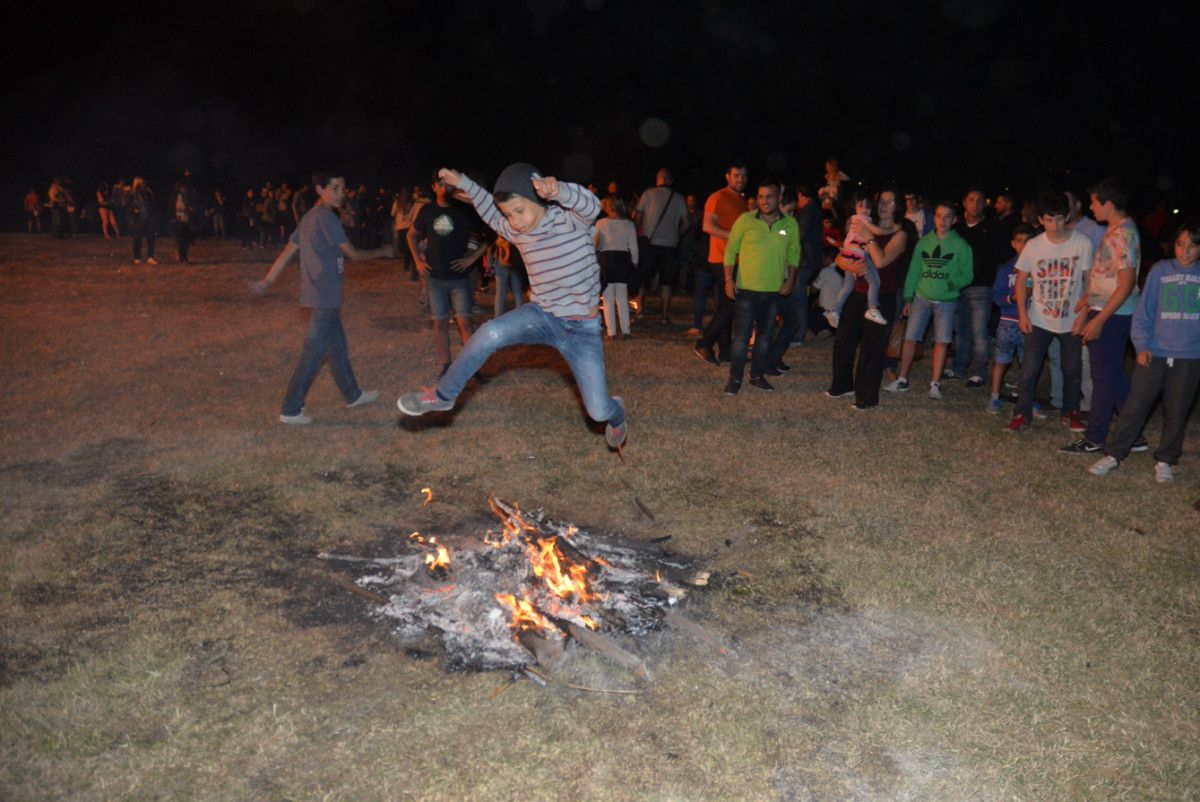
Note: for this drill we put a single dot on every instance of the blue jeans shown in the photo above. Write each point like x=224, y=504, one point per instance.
x=971, y=326
x=1110, y=385
x=507, y=280
x=1036, y=344
x=325, y=338
x=577, y=340
x=752, y=310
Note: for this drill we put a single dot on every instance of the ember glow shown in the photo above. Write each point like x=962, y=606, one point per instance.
x=439, y=560
x=524, y=614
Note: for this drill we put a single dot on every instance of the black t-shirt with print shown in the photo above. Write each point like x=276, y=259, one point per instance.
x=447, y=231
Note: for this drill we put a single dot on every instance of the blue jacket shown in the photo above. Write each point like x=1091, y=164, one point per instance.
x=1004, y=291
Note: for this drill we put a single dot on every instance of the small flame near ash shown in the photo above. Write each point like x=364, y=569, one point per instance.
x=428, y=496
x=525, y=615
x=439, y=560
x=417, y=537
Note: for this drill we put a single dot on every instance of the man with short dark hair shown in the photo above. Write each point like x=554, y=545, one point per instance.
x=768, y=244
x=974, y=313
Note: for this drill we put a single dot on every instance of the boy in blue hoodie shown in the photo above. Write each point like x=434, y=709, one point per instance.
x=1166, y=334
x=1010, y=341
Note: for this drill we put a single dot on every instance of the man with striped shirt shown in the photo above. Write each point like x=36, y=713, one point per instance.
x=555, y=241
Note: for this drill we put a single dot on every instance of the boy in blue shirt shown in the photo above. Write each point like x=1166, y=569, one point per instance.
x=1010, y=341
x=323, y=247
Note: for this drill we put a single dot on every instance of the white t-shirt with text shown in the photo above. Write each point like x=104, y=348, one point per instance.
x=1059, y=275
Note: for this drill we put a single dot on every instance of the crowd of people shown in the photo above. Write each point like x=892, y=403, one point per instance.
x=986, y=282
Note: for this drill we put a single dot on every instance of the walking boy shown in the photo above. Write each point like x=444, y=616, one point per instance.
x=323, y=247
x=555, y=241
x=1057, y=261
x=942, y=264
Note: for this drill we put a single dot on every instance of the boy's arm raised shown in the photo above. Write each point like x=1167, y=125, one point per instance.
x=572, y=197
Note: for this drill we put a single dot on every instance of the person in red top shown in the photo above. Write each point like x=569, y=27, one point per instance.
x=721, y=210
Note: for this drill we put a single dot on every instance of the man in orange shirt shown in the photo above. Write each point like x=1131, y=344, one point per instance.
x=721, y=210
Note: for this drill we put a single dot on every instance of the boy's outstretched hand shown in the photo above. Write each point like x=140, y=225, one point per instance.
x=452, y=177
x=546, y=188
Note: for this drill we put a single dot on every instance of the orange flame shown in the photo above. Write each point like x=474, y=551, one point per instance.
x=439, y=560
x=524, y=614
x=417, y=537
x=548, y=567
x=428, y=496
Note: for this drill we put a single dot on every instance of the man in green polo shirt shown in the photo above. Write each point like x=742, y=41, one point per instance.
x=765, y=246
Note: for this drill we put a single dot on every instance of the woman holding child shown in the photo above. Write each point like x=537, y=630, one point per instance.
x=860, y=345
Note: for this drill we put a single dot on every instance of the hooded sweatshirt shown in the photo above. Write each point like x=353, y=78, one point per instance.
x=940, y=268
x=1167, y=319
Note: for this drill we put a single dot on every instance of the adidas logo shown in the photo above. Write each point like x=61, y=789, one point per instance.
x=936, y=259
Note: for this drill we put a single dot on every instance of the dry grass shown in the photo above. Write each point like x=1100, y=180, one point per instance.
x=921, y=607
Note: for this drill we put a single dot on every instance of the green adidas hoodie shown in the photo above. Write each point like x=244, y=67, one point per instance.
x=940, y=268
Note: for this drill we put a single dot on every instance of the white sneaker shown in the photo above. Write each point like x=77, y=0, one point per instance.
x=832, y=318
x=1163, y=473
x=897, y=386
x=366, y=397
x=874, y=316
x=299, y=419
x=935, y=391
x=1106, y=465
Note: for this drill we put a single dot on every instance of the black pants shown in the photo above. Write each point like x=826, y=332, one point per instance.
x=719, y=331
x=183, y=238
x=143, y=230
x=859, y=337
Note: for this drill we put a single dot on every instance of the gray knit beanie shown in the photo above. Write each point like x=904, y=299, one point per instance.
x=517, y=179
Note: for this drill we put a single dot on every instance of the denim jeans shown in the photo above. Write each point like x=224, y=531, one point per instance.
x=752, y=310
x=971, y=329
x=1036, y=344
x=1110, y=385
x=325, y=338
x=577, y=340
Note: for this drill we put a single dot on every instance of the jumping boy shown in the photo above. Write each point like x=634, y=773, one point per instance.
x=555, y=240
x=323, y=247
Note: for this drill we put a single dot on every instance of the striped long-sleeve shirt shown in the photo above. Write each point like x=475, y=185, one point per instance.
x=559, y=254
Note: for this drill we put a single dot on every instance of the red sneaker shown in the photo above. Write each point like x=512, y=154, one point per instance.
x=1072, y=421
x=1018, y=423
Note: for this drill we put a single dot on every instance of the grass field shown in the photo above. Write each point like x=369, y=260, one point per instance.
x=919, y=606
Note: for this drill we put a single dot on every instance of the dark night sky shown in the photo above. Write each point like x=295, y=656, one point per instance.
x=934, y=95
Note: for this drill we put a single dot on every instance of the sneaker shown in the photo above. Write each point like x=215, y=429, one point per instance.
x=832, y=318
x=137, y=261
x=949, y=375
x=299, y=419
x=1163, y=473
x=364, y=398
x=732, y=387
x=1038, y=412
x=615, y=436
x=935, y=391
x=772, y=372
x=626, y=336
x=993, y=406
x=705, y=354
x=694, y=332
x=761, y=383
x=845, y=394
x=874, y=316
x=1071, y=421
x=1017, y=424
x=1140, y=444
x=1080, y=446
x=783, y=366
x=427, y=400
x=975, y=382
x=857, y=408
x=151, y=261
x=1106, y=465
x=898, y=386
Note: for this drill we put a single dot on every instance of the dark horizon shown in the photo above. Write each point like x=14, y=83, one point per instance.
x=1001, y=94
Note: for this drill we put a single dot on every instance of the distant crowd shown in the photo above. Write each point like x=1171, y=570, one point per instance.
x=983, y=280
